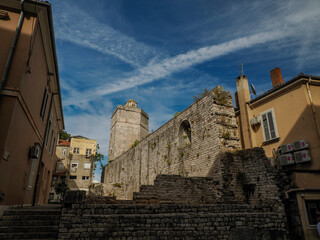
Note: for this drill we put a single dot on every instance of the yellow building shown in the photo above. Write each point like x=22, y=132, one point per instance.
x=75, y=164
x=285, y=121
x=82, y=152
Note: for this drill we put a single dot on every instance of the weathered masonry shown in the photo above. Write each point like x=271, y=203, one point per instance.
x=243, y=200
x=186, y=145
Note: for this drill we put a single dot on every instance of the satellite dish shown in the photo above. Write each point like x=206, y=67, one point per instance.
x=253, y=90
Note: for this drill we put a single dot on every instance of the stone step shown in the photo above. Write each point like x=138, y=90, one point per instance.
x=30, y=223
x=28, y=229
x=38, y=235
x=30, y=217
x=31, y=212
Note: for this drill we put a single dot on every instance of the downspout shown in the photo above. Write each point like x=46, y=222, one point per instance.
x=36, y=185
x=248, y=124
x=312, y=107
x=12, y=49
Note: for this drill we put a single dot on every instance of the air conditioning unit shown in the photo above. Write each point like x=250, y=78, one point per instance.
x=285, y=148
x=88, y=155
x=286, y=159
x=302, y=156
x=255, y=121
x=34, y=151
x=302, y=144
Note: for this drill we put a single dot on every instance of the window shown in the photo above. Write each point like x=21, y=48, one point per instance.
x=269, y=125
x=87, y=165
x=54, y=146
x=48, y=132
x=312, y=206
x=51, y=140
x=74, y=166
x=72, y=177
x=32, y=172
x=60, y=166
x=76, y=150
x=44, y=103
x=88, y=152
x=85, y=177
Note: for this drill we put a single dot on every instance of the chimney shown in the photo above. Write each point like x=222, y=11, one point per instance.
x=276, y=77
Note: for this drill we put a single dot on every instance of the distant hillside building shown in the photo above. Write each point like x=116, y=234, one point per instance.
x=285, y=122
x=31, y=114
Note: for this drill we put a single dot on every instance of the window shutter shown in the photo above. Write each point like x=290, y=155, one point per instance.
x=271, y=125
x=265, y=127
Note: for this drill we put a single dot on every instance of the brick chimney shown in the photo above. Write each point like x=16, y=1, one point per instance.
x=276, y=77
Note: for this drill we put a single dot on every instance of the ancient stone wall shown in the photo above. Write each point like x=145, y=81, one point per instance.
x=186, y=145
x=234, y=222
x=242, y=199
x=241, y=177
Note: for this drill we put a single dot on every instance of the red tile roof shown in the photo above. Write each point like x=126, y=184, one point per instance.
x=64, y=143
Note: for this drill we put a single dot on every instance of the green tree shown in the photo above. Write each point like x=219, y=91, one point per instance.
x=64, y=135
x=60, y=188
x=200, y=95
x=98, y=158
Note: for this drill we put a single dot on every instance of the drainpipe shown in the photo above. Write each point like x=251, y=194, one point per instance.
x=312, y=107
x=36, y=185
x=12, y=49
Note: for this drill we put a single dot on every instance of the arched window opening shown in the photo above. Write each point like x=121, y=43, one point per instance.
x=185, y=134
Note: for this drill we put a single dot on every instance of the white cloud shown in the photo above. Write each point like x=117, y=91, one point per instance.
x=77, y=26
x=93, y=126
x=168, y=66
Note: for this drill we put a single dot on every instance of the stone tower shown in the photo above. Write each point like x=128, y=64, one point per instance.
x=128, y=124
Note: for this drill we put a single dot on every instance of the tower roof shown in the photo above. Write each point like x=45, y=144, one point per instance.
x=131, y=103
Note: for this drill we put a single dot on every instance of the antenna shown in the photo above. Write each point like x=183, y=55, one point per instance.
x=253, y=89
x=241, y=69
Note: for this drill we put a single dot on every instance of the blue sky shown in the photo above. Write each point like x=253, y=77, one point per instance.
x=161, y=53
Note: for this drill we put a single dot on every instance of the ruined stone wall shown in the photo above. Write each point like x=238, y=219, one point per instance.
x=236, y=178
x=186, y=145
x=234, y=222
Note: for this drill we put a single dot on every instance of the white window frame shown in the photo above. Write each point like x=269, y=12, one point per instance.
x=76, y=152
x=86, y=163
x=32, y=173
x=74, y=169
x=271, y=110
x=60, y=166
x=88, y=152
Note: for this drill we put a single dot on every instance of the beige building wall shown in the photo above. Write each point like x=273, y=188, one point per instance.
x=21, y=101
x=296, y=115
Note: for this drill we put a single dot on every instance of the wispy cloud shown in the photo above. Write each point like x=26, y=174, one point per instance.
x=168, y=66
x=77, y=26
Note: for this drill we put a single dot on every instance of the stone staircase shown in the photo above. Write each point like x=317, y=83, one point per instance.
x=40, y=222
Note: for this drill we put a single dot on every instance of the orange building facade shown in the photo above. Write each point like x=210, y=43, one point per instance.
x=285, y=121
x=31, y=113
